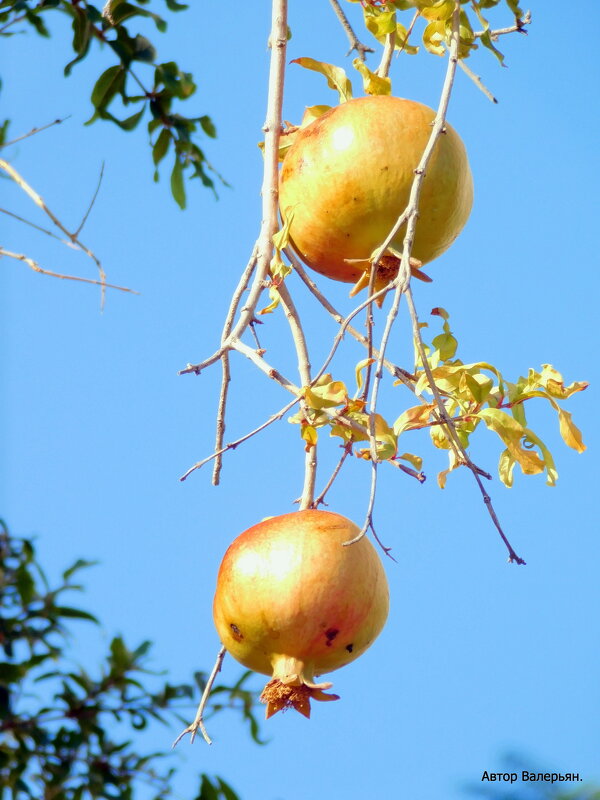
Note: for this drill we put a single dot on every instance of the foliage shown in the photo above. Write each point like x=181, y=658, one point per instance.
x=380, y=19
x=68, y=733
x=137, y=79
x=471, y=393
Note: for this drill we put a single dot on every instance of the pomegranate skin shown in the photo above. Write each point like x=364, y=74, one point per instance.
x=347, y=178
x=292, y=602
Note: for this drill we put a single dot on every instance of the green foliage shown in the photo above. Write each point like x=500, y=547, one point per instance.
x=68, y=733
x=137, y=83
x=471, y=394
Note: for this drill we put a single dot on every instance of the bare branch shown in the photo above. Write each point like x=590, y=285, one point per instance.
x=270, y=192
x=33, y=131
x=257, y=359
x=198, y=722
x=233, y=445
x=293, y=318
x=401, y=374
x=72, y=237
x=226, y=371
x=383, y=70
x=477, y=81
x=355, y=43
x=463, y=457
x=518, y=27
x=36, y=268
x=320, y=500
x=93, y=200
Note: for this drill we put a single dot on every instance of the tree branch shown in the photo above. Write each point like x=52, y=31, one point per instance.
x=355, y=43
x=198, y=722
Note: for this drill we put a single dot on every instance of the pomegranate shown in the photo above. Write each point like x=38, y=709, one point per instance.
x=293, y=603
x=347, y=178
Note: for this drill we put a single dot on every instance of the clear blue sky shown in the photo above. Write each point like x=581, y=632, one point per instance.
x=478, y=656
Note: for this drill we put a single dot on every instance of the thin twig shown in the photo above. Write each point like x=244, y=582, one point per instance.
x=402, y=281
x=518, y=27
x=477, y=81
x=463, y=458
x=93, y=200
x=344, y=326
x=269, y=191
x=36, y=268
x=320, y=500
x=233, y=445
x=199, y=718
x=310, y=460
x=265, y=367
x=73, y=237
x=225, y=366
x=401, y=374
x=355, y=43
x=33, y=131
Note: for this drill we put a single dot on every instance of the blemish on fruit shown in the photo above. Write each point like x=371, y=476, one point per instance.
x=237, y=634
x=349, y=647
x=330, y=635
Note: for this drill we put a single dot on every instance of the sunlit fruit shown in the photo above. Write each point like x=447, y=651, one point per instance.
x=347, y=178
x=292, y=602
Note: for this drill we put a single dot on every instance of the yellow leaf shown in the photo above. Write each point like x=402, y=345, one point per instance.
x=275, y=300
x=359, y=369
x=506, y=467
x=513, y=434
x=372, y=82
x=570, y=432
x=336, y=77
x=441, y=478
x=310, y=436
x=441, y=10
x=413, y=417
x=311, y=113
x=434, y=37
x=326, y=396
x=416, y=461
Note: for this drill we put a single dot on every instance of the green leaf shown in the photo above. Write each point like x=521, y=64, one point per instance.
x=208, y=126
x=125, y=11
x=161, y=145
x=79, y=564
x=227, y=791
x=108, y=85
x=177, y=185
x=74, y=613
x=25, y=584
x=207, y=790
x=336, y=77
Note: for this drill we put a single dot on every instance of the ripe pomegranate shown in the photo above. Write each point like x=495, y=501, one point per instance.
x=292, y=602
x=347, y=178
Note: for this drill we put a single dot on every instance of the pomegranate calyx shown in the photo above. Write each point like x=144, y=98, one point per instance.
x=279, y=696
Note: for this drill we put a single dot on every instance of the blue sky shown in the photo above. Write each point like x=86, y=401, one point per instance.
x=478, y=656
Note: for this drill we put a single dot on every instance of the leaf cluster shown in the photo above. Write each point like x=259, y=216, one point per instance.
x=471, y=394
x=137, y=80
x=381, y=20
x=69, y=733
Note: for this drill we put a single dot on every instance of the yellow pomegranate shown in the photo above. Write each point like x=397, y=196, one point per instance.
x=347, y=178
x=292, y=602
